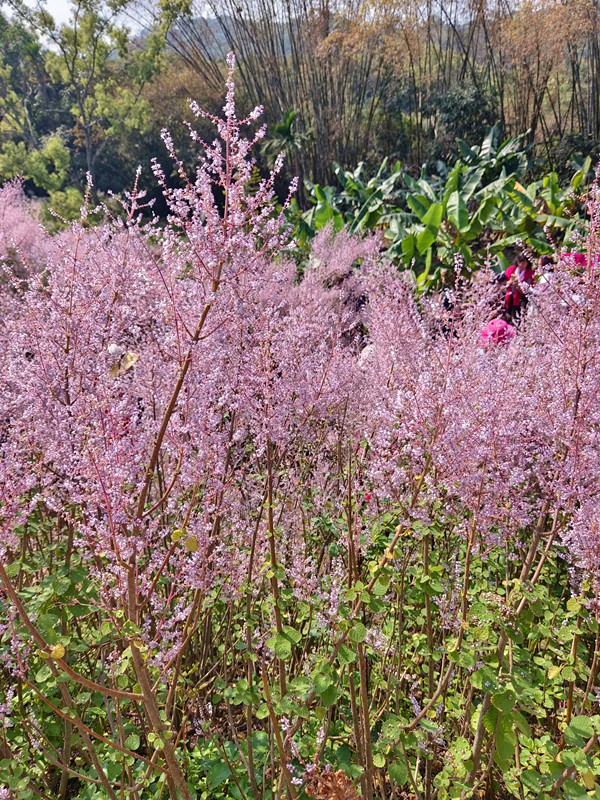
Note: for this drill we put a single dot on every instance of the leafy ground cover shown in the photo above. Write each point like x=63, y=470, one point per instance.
x=263, y=537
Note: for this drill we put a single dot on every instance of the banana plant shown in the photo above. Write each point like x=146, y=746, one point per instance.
x=364, y=200
x=542, y=207
x=511, y=157
x=442, y=224
x=284, y=137
x=479, y=205
x=324, y=211
x=360, y=204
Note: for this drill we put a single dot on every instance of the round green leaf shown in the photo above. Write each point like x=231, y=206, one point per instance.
x=398, y=772
x=358, y=633
x=504, y=701
x=43, y=674
x=582, y=726
x=329, y=696
x=132, y=742
x=282, y=647
x=262, y=711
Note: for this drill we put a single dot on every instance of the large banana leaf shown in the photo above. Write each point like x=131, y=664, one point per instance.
x=432, y=221
x=456, y=211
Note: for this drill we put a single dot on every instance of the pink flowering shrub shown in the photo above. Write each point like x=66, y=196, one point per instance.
x=22, y=241
x=24, y=245
x=256, y=531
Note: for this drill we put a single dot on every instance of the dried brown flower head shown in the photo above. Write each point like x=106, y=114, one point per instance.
x=332, y=786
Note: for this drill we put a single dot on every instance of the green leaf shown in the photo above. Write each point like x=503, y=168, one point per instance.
x=485, y=679
x=43, y=674
x=490, y=719
x=479, y=219
x=429, y=725
x=292, y=633
x=504, y=701
x=409, y=247
x=532, y=780
x=322, y=682
x=282, y=646
x=79, y=610
x=520, y=723
x=472, y=181
x=432, y=221
x=423, y=276
x=329, y=695
x=582, y=726
x=419, y=204
x=506, y=741
x=469, y=154
x=299, y=685
x=398, y=772
x=487, y=146
x=457, y=211
x=346, y=655
x=262, y=712
x=218, y=774
x=61, y=585
x=565, y=634
x=555, y=671
x=452, y=180
x=358, y=633
x=379, y=760
x=381, y=586
x=132, y=742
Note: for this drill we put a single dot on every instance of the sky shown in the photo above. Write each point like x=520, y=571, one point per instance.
x=60, y=9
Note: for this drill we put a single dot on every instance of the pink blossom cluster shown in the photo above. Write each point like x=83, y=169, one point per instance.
x=21, y=240
x=148, y=370
x=489, y=437
x=153, y=377
x=24, y=244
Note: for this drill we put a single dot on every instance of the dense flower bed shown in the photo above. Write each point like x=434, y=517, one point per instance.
x=264, y=537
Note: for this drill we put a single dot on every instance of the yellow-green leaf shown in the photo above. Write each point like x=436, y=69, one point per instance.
x=58, y=651
x=554, y=672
